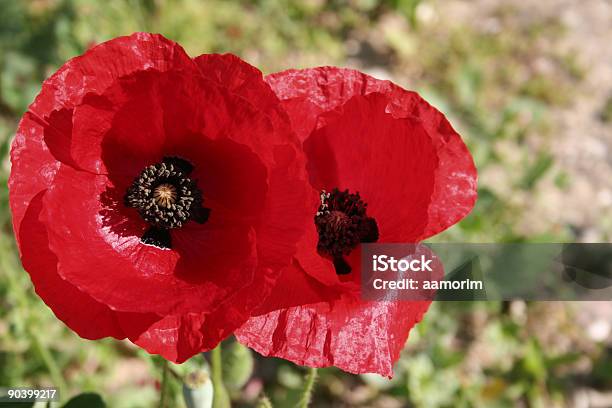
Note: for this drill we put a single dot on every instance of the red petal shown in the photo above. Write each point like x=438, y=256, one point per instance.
x=100, y=254
x=347, y=332
x=47, y=126
x=123, y=105
x=321, y=268
x=391, y=162
x=173, y=113
x=358, y=337
x=245, y=80
x=179, y=337
x=296, y=287
x=308, y=93
x=417, y=177
x=32, y=169
x=89, y=318
x=84, y=78
x=99, y=67
x=175, y=337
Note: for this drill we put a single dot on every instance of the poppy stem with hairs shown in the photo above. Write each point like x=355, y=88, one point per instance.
x=163, y=397
x=309, y=385
x=221, y=397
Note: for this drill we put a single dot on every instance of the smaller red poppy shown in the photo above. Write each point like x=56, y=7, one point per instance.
x=384, y=166
x=156, y=196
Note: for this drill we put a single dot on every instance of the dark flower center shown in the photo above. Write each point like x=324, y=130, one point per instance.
x=342, y=223
x=166, y=198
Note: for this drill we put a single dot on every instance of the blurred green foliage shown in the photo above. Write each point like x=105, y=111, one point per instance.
x=461, y=355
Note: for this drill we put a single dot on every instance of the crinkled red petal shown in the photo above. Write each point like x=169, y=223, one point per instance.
x=245, y=80
x=89, y=318
x=100, y=119
x=390, y=161
x=179, y=337
x=307, y=94
x=418, y=179
x=99, y=253
x=355, y=336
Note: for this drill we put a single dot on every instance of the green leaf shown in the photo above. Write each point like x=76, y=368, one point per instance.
x=86, y=400
x=537, y=170
x=533, y=361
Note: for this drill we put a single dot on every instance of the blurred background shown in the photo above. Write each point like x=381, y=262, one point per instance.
x=529, y=86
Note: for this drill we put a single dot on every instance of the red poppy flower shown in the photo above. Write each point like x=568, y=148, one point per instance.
x=385, y=166
x=154, y=196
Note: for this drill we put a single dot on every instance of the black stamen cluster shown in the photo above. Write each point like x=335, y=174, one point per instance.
x=184, y=204
x=342, y=223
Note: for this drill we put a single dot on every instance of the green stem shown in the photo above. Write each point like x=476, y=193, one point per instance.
x=221, y=397
x=22, y=310
x=52, y=367
x=216, y=365
x=163, y=397
x=306, y=397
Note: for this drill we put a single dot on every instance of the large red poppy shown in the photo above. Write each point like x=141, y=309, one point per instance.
x=155, y=196
x=414, y=177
